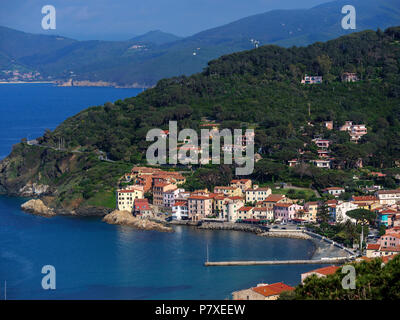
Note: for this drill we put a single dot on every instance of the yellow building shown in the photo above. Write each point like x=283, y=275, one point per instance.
x=310, y=211
x=243, y=184
x=229, y=191
x=126, y=197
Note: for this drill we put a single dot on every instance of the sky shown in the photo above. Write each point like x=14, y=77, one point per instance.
x=123, y=19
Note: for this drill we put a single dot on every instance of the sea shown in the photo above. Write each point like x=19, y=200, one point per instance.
x=93, y=260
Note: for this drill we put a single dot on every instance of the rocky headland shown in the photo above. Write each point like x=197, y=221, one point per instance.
x=125, y=218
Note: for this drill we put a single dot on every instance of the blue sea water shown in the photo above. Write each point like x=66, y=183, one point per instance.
x=94, y=260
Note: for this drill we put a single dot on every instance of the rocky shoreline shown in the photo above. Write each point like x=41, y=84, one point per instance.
x=125, y=218
x=36, y=206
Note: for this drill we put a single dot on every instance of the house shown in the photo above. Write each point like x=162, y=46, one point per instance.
x=357, y=131
x=199, y=207
x=262, y=292
x=257, y=194
x=349, y=77
x=127, y=196
x=158, y=192
x=377, y=250
x=373, y=250
x=273, y=199
x=334, y=191
x=245, y=213
x=342, y=209
x=326, y=164
x=388, y=196
x=390, y=239
x=229, y=191
x=322, y=143
x=263, y=213
x=293, y=162
x=142, y=207
x=231, y=208
x=285, y=211
x=311, y=80
x=243, y=184
x=169, y=196
x=310, y=211
x=364, y=199
x=180, y=210
x=320, y=273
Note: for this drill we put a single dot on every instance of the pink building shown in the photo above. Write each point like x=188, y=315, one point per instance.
x=285, y=211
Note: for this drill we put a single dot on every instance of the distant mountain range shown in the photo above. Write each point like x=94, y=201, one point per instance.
x=145, y=59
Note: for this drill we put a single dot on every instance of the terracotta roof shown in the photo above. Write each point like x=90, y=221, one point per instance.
x=334, y=188
x=259, y=189
x=260, y=209
x=180, y=203
x=236, y=198
x=225, y=187
x=246, y=208
x=272, y=289
x=274, y=198
x=240, y=180
x=391, y=249
x=199, y=197
x=373, y=246
x=325, y=270
x=284, y=205
x=388, y=191
x=364, y=198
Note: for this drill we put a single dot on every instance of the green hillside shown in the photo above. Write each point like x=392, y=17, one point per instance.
x=146, y=59
x=259, y=88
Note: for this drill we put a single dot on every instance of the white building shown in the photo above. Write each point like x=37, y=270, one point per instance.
x=180, y=210
x=230, y=210
x=388, y=196
x=258, y=194
x=342, y=209
x=169, y=196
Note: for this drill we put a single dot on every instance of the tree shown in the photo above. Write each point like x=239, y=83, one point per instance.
x=323, y=213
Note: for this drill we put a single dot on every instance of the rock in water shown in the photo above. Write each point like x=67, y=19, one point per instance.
x=125, y=218
x=36, y=206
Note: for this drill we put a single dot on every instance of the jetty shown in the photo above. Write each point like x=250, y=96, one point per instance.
x=338, y=260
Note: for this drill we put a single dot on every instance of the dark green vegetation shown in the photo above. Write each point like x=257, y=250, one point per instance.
x=261, y=89
x=166, y=56
x=373, y=282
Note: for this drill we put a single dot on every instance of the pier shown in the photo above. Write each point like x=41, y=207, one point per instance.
x=279, y=262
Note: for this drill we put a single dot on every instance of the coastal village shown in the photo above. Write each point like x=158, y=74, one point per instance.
x=243, y=202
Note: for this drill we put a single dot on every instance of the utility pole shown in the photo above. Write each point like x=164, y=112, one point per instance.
x=361, y=239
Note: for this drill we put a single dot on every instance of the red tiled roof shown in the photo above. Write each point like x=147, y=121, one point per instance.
x=260, y=209
x=391, y=249
x=274, y=198
x=364, y=198
x=199, y=197
x=326, y=270
x=180, y=203
x=246, y=208
x=373, y=246
x=272, y=289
